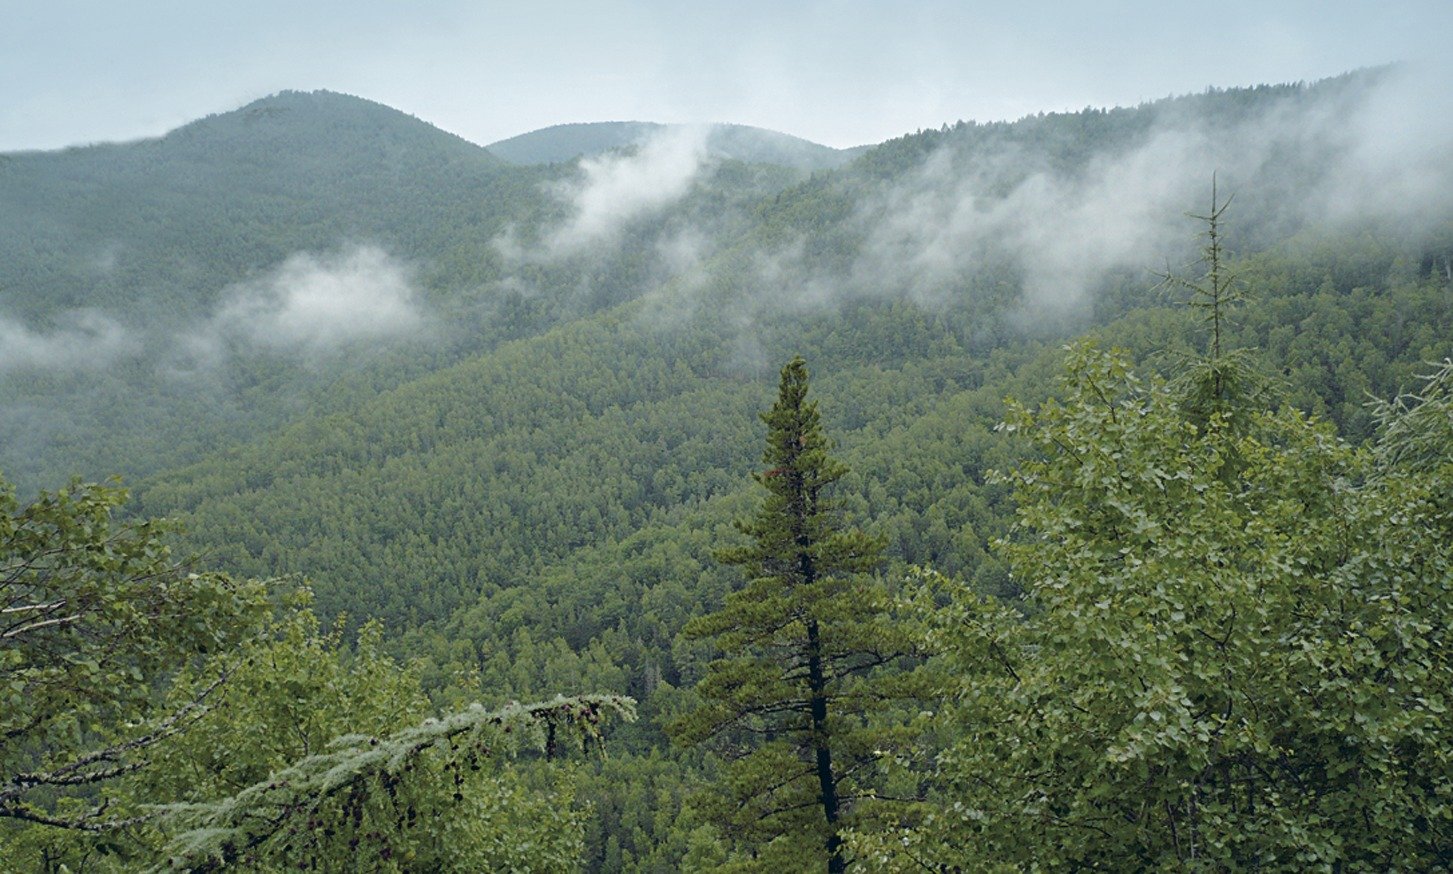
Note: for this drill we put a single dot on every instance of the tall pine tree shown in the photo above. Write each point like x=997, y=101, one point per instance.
x=790, y=701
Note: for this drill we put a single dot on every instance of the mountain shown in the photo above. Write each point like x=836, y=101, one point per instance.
x=97, y=225
x=939, y=264
x=129, y=271
x=181, y=293
x=566, y=142
x=531, y=418
x=163, y=299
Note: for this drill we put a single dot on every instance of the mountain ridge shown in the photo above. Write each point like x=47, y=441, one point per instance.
x=561, y=143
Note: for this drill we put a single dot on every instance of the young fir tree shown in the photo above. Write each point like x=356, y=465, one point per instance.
x=790, y=700
x=1223, y=380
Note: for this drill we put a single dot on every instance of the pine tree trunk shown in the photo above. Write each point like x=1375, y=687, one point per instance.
x=817, y=684
x=827, y=785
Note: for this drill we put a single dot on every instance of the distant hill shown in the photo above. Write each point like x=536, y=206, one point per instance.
x=566, y=142
x=234, y=192
x=117, y=260
x=321, y=122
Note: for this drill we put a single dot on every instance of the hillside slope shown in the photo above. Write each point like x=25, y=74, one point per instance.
x=159, y=299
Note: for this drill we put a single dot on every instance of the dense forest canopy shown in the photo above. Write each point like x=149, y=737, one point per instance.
x=443, y=431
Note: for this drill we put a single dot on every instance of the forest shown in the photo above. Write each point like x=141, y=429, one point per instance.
x=1068, y=493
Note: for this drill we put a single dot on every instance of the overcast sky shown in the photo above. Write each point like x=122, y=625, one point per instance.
x=841, y=73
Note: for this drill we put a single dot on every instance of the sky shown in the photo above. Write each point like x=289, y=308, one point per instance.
x=840, y=72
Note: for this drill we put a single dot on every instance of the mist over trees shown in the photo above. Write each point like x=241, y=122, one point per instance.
x=444, y=435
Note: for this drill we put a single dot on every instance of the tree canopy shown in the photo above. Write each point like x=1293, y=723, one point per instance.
x=1233, y=652
x=94, y=613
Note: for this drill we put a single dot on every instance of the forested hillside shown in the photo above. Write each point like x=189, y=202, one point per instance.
x=502, y=418
x=163, y=297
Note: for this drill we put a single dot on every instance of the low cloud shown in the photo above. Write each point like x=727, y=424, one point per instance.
x=313, y=301
x=1394, y=157
x=308, y=303
x=1377, y=153
x=82, y=340
x=616, y=189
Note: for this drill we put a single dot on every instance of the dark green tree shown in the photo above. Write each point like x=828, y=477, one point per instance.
x=804, y=641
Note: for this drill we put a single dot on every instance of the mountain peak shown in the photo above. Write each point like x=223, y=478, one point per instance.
x=567, y=142
x=320, y=119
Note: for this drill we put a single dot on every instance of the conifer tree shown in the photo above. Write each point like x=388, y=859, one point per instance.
x=1222, y=380
x=789, y=701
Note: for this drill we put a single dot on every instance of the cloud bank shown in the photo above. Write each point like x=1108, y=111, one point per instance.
x=614, y=190
x=1058, y=228
x=312, y=301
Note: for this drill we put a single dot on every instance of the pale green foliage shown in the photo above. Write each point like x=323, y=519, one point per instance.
x=1215, y=672
x=320, y=756
x=423, y=798
x=294, y=689
x=1417, y=429
x=1236, y=650
x=334, y=762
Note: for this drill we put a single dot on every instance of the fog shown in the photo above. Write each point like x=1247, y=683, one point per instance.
x=309, y=303
x=313, y=301
x=1351, y=157
x=83, y=340
x=613, y=190
x=1339, y=156
x=1395, y=151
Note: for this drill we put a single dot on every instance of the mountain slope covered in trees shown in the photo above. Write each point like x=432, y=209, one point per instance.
x=523, y=455
x=161, y=298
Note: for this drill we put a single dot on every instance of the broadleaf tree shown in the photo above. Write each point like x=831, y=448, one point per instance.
x=159, y=719
x=95, y=613
x=1235, y=652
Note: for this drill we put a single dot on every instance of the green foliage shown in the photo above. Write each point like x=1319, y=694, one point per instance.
x=1234, y=653
x=556, y=501
x=804, y=643
x=94, y=613
x=295, y=688
x=307, y=743
x=289, y=690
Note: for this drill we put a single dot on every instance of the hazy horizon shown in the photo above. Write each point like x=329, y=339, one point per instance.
x=838, y=73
